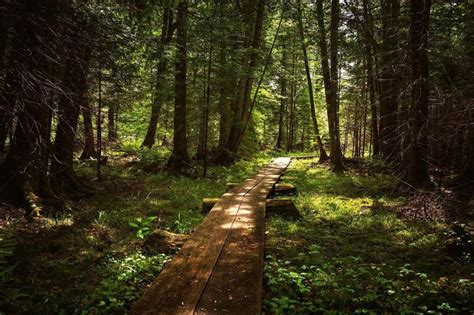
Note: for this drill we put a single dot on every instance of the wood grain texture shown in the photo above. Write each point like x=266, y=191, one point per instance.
x=219, y=269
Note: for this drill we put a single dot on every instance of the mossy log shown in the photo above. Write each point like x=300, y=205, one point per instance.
x=284, y=189
x=282, y=207
x=208, y=203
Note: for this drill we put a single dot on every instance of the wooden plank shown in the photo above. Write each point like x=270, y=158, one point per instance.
x=183, y=281
x=235, y=286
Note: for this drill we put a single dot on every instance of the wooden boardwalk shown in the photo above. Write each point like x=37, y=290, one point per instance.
x=219, y=269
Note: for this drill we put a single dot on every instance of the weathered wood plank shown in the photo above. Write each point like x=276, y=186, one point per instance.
x=232, y=234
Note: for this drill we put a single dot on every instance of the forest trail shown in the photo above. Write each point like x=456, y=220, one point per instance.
x=219, y=269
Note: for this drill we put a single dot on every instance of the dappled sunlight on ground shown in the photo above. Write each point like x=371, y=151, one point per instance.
x=352, y=252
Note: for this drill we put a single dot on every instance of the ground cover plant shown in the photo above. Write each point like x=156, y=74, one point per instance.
x=353, y=253
x=91, y=258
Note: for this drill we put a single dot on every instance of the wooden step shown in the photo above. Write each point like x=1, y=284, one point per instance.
x=284, y=188
x=282, y=207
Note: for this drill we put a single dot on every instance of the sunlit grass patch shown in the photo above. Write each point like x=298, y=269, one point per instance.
x=352, y=253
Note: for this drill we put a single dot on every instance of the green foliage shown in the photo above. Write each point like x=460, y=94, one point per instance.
x=142, y=226
x=350, y=253
x=121, y=282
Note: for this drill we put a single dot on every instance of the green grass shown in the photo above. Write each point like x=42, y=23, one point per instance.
x=350, y=253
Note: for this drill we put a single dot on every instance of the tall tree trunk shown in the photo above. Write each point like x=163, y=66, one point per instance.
x=20, y=173
x=417, y=166
x=241, y=110
x=389, y=82
x=291, y=133
x=322, y=153
x=62, y=175
x=368, y=47
x=166, y=36
x=180, y=156
x=89, y=146
x=225, y=89
x=283, y=96
x=330, y=78
x=111, y=130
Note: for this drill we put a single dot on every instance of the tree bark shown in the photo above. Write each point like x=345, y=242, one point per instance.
x=417, y=175
x=241, y=113
x=322, y=153
x=20, y=173
x=330, y=78
x=283, y=96
x=111, y=130
x=389, y=82
x=89, y=146
x=368, y=47
x=62, y=176
x=180, y=156
x=166, y=36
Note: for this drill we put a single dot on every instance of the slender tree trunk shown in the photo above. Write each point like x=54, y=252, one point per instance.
x=368, y=47
x=111, y=130
x=89, y=147
x=224, y=91
x=322, y=153
x=180, y=156
x=417, y=166
x=166, y=36
x=330, y=78
x=283, y=96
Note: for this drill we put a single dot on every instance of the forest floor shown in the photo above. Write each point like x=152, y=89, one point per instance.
x=359, y=246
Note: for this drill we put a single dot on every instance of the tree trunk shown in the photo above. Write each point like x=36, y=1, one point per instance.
x=417, y=166
x=111, y=131
x=291, y=133
x=89, y=147
x=20, y=174
x=330, y=78
x=368, y=47
x=389, y=82
x=62, y=175
x=166, y=36
x=322, y=153
x=283, y=96
x=180, y=156
x=241, y=110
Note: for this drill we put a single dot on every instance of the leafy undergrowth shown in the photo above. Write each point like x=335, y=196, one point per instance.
x=351, y=252
x=90, y=260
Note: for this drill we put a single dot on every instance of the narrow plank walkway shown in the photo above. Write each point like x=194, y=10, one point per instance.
x=219, y=269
